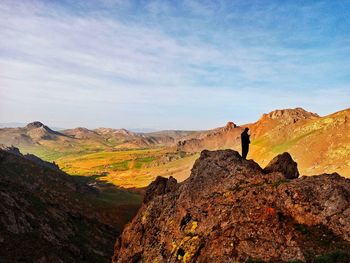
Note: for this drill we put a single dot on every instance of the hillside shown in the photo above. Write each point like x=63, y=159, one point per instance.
x=49, y=216
x=129, y=159
x=231, y=210
x=39, y=139
x=318, y=144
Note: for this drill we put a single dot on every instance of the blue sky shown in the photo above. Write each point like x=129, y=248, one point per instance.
x=170, y=64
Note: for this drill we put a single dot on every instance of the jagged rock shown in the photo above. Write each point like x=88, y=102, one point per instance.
x=34, y=125
x=229, y=126
x=231, y=210
x=44, y=218
x=284, y=164
x=159, y=187
x=291, y=115
x=10, y=149
x=31, y=157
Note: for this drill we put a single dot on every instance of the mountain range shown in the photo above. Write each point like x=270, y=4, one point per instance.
x=129, y=159
x=211, y=205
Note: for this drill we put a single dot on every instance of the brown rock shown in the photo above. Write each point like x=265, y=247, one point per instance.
x=284, y=164
x=159, y=187
x=230, y=210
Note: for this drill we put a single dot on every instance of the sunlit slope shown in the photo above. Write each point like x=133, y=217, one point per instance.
x=130, y=168
x=39, y=139
x=318, y=144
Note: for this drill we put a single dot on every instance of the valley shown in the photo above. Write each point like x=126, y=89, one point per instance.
x=103, y=173
x=133, y=160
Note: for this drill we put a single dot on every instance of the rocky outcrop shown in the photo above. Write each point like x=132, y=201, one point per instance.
x=290, y=115
x=284, y=164
x=231, y=210
x=31, y=157
x=160, y=186
x=44, y=217
x=228, y=136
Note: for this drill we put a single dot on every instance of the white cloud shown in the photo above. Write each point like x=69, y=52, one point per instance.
x=51, y=55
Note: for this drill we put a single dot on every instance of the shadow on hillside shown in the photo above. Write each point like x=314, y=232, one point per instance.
x=118, y=204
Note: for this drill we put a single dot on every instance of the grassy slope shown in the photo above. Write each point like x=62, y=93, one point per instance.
x=129, y=168
x=320, y=145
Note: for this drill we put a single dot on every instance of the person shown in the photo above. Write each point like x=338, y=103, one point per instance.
x=245, y=142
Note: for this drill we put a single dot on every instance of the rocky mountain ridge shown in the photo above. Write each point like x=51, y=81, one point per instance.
x=232, y=210
x=47, y=216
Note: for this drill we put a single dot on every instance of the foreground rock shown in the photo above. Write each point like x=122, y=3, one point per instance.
x=284, y=164
x=44, y=216
x=231, y=210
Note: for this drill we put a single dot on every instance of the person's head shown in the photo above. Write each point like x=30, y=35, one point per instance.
x=246, y=129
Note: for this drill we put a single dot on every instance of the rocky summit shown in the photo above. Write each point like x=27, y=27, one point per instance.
x=232, y=210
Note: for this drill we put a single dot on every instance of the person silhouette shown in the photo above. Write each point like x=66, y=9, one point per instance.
x=245, y=142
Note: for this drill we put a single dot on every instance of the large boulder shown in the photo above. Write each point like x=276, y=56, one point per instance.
x=231, y=210
x=284, y=164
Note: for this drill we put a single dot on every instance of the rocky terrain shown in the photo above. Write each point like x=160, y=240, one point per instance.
x=232, y=210
x=220, y=138
x=46, y=216
x=39, y=139
x=318, y=144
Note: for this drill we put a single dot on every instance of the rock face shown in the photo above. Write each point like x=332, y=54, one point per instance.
x=159, y=187
x=44, y=217
x=31, y=157
x=231, y=210
x=291, y=115
x=228, y=136
x=284, y=164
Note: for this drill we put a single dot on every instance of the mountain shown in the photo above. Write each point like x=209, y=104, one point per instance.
x=319, y=144
x=231, y=210
x=219, y=138
x=39, y=139
x=20, y=124
x=49, y=216
x=32, y=133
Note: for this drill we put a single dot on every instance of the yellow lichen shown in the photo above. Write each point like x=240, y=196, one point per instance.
x=190, y=247
x=144, y=217
x=227, y=194
x=191, y=228
x=194, y=227
x=174, y=247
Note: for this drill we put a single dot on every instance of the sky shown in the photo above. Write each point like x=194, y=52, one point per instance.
x=170, y=64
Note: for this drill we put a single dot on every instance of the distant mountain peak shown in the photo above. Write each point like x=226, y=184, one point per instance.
x=34, y=125
x=124, y=131
x=229, y=126
x=290, y=115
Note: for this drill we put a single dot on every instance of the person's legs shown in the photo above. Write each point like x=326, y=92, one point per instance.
x=244, y=151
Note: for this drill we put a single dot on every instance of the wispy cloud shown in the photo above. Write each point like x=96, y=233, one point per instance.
x=162, y=64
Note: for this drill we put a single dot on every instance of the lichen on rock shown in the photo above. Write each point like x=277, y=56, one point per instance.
x=232, y=210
